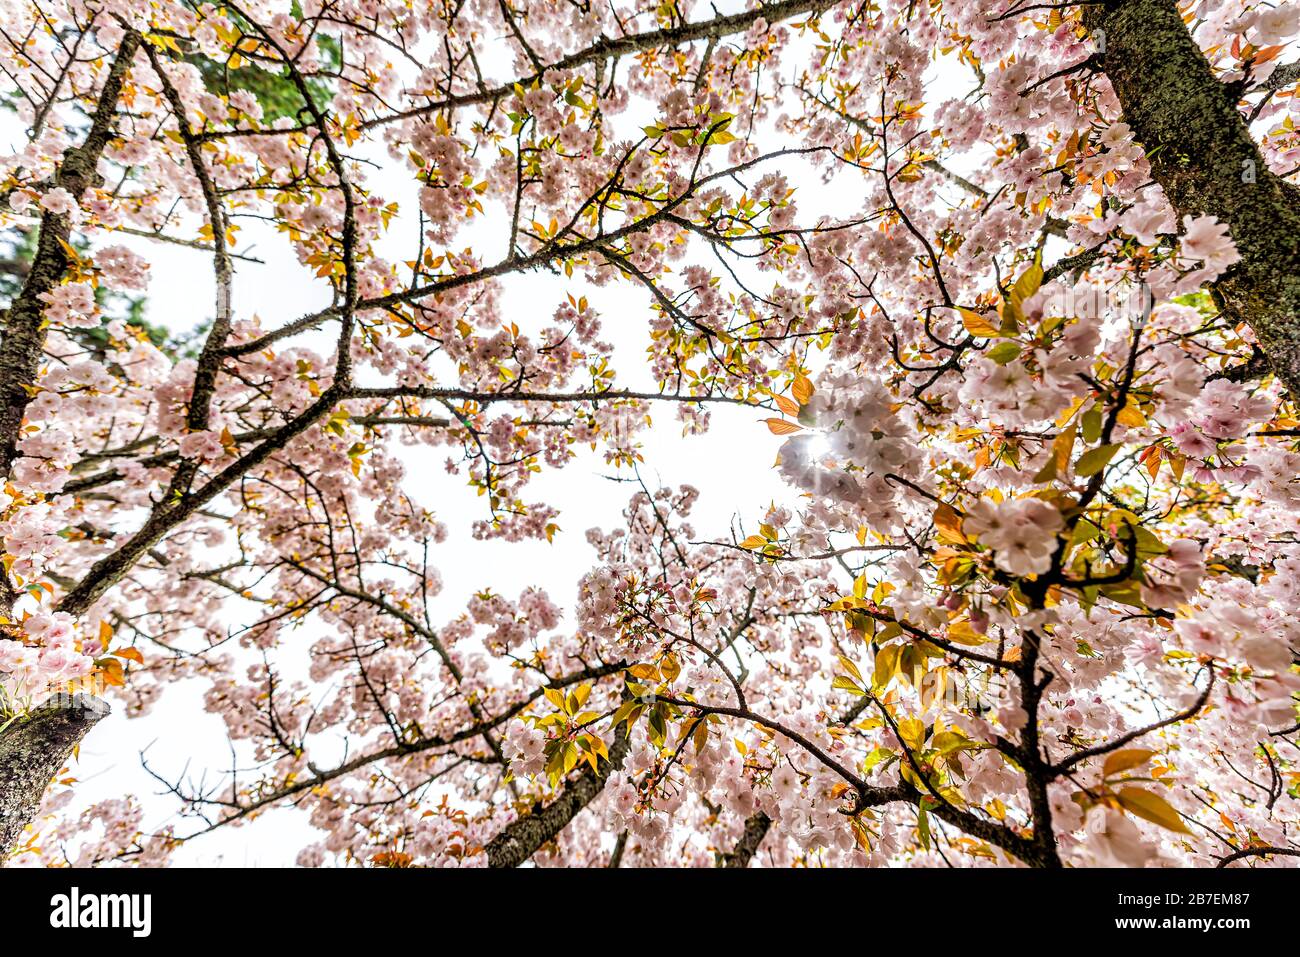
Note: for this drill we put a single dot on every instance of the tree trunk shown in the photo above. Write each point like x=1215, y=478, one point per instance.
x=32, y=750
x=756, y=827
x=520, y=840
x=1203, y=157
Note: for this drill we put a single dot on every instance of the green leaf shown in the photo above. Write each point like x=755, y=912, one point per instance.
x=1128, y=592
x=1084, y=531
x=1094, y=460
x=851, y=667
x=1004, y=352
x=624, y=713
x=875, y=757
x=1092, y=425
x=845, y=683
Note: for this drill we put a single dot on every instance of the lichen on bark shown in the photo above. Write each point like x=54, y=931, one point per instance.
x=1202, y=155
x=32, y=750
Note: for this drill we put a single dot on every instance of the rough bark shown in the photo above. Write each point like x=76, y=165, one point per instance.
x=32, y=750
x=520, y=840
x=756, y=827
x=23, y=345
x=1202, y=155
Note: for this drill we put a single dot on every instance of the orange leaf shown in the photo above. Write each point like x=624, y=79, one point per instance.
x=111, y=670
x=802, y=390
x=948, y=521
x=977, y=325
x=788, y=406
x=782, y=427
x=130, y=654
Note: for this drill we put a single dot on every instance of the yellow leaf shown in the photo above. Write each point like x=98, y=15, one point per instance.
x=112, y=672
x=912, y=733
x=802, y=389
x=1027, y=284
x=1124, y=760
x=580, y=695
x=701, y=737
x=670, y=667
x=1153, y=808
x=555, y=697
x=1059, y=464
x=963, y=633
x=1177, y=462
x=886, y=667
x=1131, y=415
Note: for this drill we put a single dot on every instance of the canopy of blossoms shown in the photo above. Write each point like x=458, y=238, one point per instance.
x=1032, y=596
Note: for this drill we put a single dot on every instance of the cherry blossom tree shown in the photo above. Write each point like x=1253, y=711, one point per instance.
x=1029, y=377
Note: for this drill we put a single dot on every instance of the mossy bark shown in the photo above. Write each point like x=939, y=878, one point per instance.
x=1202, y=155
x=32, y=750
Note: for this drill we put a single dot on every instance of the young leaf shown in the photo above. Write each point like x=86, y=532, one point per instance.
x=851, y=667
x=845, y=683
x=1004, y=352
